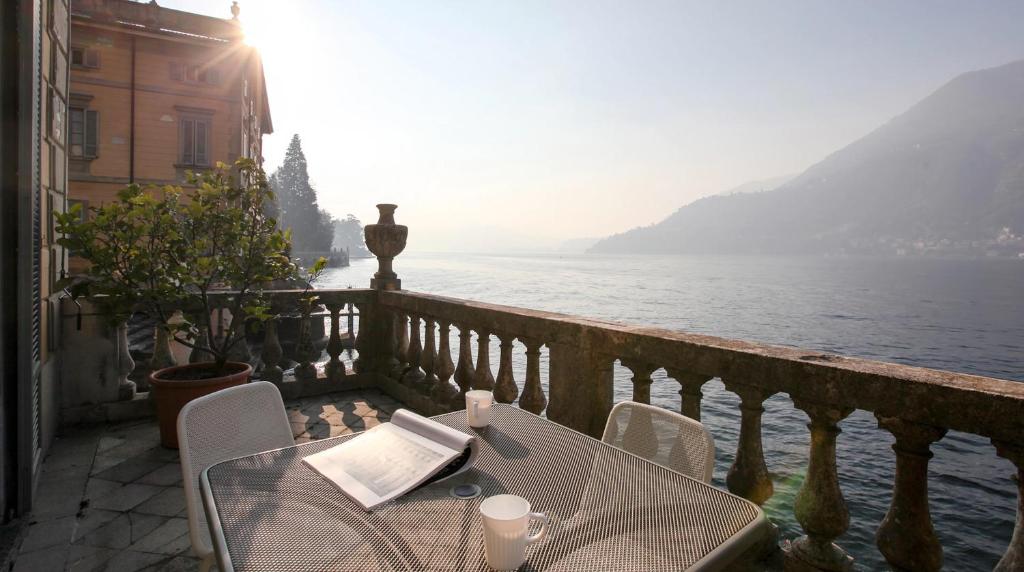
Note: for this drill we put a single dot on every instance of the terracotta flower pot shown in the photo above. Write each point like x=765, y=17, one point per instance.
x=173, y=387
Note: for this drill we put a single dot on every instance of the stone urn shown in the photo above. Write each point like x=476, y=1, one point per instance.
x=386, y=240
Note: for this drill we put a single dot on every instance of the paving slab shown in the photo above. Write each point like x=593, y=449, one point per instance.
x=169, y=502
x=96, y=488
x=132, y=561
x=177, y=564
x=91, y=520
x=129, y=470
x=165, y=476
x=116, y=533
x=126, y=497
x=58, y=498
x=169, y=538
x=160, y=454
x=88, y=558
x=53, y=558
x=43, y=534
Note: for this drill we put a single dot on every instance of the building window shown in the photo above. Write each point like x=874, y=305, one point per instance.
x=83, y=132
x=195, y=142
x=85, y=58
x=192, y=73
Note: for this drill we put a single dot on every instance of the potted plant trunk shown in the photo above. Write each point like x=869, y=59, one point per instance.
x=206, y=250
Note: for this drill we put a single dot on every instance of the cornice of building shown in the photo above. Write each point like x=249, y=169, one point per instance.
x=151, y=19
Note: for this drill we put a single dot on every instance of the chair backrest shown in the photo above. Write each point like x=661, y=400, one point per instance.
x=663, y=437
x=230, y=423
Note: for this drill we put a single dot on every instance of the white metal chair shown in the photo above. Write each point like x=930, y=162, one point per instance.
x=228, y=424
x=663, y=437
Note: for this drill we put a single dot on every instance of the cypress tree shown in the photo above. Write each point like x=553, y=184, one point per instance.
x=297, y=208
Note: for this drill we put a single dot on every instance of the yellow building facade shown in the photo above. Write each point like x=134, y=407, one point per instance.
x=156, y=92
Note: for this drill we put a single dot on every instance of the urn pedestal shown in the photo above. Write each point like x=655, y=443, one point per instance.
x=386, y=240
x=376, y=342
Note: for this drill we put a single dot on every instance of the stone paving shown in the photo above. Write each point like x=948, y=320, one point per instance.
x=110, y=498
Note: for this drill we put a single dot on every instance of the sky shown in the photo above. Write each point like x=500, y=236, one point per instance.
x=520, y=124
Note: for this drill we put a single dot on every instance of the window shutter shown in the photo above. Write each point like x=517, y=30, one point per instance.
x=92, y=130
x=176, y=72
x=76, y=131
x=212, y=77
x=187, y=141
x=77, y=57
x=92, y=59
x=202, y=133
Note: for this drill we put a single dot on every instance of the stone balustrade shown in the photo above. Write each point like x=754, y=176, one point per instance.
x=916, y=405
x=302, y=353
x=405, y=346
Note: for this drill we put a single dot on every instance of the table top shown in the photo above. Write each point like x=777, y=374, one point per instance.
x=610, y=510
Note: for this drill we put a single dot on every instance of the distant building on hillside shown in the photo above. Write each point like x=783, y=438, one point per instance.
x=156, y=92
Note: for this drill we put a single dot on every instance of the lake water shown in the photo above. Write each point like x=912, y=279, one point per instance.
x=960, y=315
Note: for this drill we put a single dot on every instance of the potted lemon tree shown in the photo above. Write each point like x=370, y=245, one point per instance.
x=207, y=247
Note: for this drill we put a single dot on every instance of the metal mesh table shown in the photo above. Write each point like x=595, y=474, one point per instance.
x=610, y=510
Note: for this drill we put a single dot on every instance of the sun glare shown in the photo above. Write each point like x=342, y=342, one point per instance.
x=253, y=36
x=266, y=26
x=258, y=23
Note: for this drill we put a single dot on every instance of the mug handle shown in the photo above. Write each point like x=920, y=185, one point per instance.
x=543, y=527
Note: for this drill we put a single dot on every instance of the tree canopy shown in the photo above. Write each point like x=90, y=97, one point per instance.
x=312, y=228
x=348, y=234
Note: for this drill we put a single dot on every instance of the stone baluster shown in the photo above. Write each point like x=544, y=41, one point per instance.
x=218, y=336
x=1013, y=558
x=428, y=358
x=464, y=371
x=689, y=390
x=505, y=388
x=272, y=353
x=413, y=374
x=533, y=398
x=641, y=379
x=444, y=392
x=363, y=362
x=482, y=378
x=819, y=505
x=335, y=368
x=125, y=364
x=748, y=476
x=351, y=326
x=304, y=351
x=906, y=537
x=162, y=354
x=200, y=353
x=639, y=437
x=402, y=325
x=239, y=350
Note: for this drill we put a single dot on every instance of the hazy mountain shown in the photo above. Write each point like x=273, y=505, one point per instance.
x=758, y=186
x=945, y=176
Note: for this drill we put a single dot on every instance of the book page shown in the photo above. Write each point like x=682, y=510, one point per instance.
x=381, y=464
x=439, y=433
x=431, y=430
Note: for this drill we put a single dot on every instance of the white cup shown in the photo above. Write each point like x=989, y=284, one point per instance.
x=478, y=407
x=506, y=520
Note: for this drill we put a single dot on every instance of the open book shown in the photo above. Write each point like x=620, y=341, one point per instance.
x=391, y=459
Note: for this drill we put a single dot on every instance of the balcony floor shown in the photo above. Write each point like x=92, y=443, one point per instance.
x=110, y=497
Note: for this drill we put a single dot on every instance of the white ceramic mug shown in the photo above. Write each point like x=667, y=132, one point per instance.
x=478, y=407
x=506, y=519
